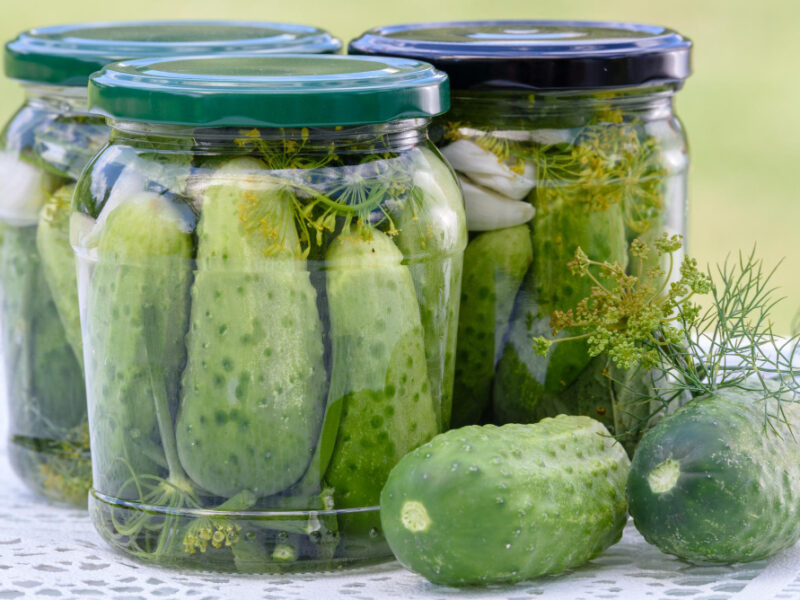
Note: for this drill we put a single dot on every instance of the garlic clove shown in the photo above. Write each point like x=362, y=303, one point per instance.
x=486, y=169
x=487, y=210
x=23, y=189
x=515, y=188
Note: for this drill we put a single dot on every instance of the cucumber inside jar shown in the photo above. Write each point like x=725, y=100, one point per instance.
x=596, y=172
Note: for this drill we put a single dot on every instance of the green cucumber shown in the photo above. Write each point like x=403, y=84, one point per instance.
x=58, y=263
x=253, y=391
x=481, y=505
x=713, y=482
x=379, y=379
x=44, y=379
x=432, y=236
x=142, y=275
x=495, y=264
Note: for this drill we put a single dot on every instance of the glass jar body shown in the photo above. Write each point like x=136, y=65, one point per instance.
x=269, y=319
x=543, y=174
x=44, y=148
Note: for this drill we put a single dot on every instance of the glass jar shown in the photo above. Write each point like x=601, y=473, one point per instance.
x=43, y=149
x=269, y=260
x=563, y=136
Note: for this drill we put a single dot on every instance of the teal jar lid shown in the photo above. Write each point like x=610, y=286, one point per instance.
x=67, y=54
x=249, y=90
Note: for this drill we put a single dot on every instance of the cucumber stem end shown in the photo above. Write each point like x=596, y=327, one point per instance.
x=414, y=516
x=664, y=476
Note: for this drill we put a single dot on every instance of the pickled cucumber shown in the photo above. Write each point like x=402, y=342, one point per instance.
x=58, y=263
x=379, y=370
x=253, y=390
x=495, y=263
x=44, y=380
x=563, y=222
x=138, y=303
x=432, y=237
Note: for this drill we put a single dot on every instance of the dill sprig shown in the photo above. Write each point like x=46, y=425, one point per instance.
x=288, y=151
x=647, y=321
x=732, y=344
x=633, y=319
x=609, y=160
x=325, y=192
x=66, y=469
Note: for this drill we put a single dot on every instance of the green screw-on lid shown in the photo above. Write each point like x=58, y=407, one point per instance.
x=67, y=54
x=291, y=90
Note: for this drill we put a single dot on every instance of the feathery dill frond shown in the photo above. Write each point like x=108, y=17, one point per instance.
x=327, y=191
x=691, y=351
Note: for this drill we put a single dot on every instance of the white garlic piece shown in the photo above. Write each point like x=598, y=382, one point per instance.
x=487, y=210
x=22, y=187
x=484, y=168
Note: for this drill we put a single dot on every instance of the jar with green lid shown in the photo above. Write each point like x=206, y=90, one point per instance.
x=43, y=149
x=564, y=136
x=269, y=256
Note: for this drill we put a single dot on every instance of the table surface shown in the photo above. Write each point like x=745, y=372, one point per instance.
x=53, y=552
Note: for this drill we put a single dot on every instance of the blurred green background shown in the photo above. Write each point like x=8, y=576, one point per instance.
x=739, y=107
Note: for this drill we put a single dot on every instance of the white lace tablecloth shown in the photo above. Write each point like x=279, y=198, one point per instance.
x=52, y=552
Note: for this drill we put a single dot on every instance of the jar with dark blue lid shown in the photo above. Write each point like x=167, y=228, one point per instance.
x=564, y=136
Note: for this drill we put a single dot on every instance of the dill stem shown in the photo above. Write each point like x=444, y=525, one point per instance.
x=571, y=338
x=595, y=280
x=177, y=475
x=666, y=278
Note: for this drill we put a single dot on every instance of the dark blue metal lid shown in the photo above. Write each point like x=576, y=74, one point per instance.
x=538, y=54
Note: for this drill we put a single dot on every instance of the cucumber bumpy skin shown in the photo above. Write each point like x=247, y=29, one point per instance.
x=489, y=504
x=495, y=264
x=142, y=274
x=253, y=390
x=58, y=263
x=710, y=483
x=433, y=235
x=379, y=370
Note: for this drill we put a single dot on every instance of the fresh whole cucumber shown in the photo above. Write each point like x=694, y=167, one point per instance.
x=714, y=482
x=253, y=390
x=489, y=504
x=379, y=379
x=495, y=264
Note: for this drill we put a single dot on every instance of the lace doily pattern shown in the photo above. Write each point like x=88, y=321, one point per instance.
x=53, y=552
